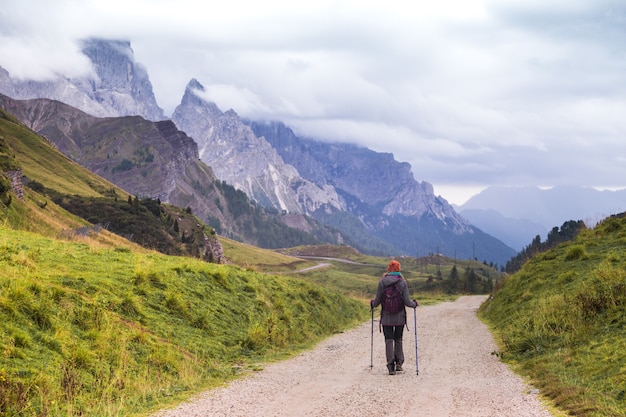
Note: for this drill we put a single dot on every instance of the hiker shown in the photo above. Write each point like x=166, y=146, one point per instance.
x=393, y=313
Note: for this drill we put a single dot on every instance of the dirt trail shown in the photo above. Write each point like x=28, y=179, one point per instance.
x=458, y=376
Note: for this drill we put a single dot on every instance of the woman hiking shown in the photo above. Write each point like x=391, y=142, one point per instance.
x=393, y=295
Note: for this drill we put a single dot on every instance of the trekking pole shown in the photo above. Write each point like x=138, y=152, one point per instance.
x=372, y=342
x=417, y=370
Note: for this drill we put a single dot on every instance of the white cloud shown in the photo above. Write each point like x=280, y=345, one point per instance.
x=25, y=62
x=470, y=92
x=242, y=100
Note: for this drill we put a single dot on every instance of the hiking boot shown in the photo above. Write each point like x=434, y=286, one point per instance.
x=392, y=369
x=399, y=368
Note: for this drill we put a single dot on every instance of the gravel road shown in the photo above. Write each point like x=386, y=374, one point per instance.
x=458, y=376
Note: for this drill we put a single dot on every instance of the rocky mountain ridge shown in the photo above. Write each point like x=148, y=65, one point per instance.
x=376, y=179
x=155, y=160
x=373, y=205
x=246, y=161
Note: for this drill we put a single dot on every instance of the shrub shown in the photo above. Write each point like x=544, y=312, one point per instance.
x=576, y=252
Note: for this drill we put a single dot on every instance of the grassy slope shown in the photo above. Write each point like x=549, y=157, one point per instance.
x=102, y=331
x=40, y=161
x=561, y=320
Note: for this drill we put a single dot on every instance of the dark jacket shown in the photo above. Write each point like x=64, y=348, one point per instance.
x=399, y=318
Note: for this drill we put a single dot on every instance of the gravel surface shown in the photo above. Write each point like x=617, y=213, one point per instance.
x=458, y=376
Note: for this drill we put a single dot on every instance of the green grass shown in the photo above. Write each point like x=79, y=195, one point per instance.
x=255, y=259
x=357, y=275
x=96, y=331
x=39, y=160
x=560, y=320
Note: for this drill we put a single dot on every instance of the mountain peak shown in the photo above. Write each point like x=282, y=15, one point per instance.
x=246, y=161
x=121, y=44
x=118, y=85
x=194, y=84
x=194, y=96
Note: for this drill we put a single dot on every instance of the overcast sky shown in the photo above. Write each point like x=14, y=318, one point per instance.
x=472, y=93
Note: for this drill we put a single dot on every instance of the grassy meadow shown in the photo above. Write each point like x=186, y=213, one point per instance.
x=561, y=321
x=87, y=329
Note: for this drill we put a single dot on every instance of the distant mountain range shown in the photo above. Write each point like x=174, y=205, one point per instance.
x=516, y=215
x=368, y=197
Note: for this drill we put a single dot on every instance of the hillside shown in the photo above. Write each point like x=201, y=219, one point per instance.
x=51, y=183
x=154, y=160
x=110, y=331
x=102, y=326
x=34, y=158
x=561, y=321
x=48, y=175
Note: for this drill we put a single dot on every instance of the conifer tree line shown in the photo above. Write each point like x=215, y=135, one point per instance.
x=568, y=231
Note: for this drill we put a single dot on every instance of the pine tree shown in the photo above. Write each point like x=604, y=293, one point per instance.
x=454, y=279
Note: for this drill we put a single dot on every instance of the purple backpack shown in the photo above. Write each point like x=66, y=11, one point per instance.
x=392, y=299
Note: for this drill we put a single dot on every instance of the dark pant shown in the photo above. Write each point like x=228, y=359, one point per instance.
x=393, y=344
